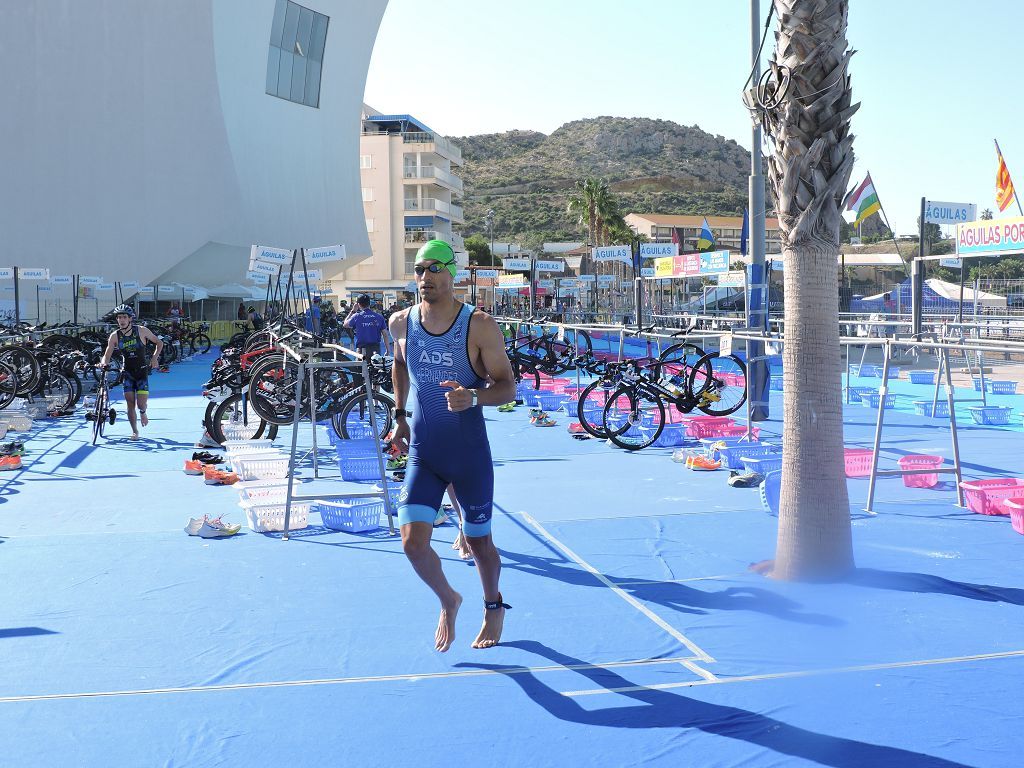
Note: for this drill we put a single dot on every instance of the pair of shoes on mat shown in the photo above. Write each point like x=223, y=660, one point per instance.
x=543, y=420
x=702, y=463
x=506, y=408
x=12, y=449
x=8, y=463
x=214, y=476
x=205, y=457
x=745, y=479
x=206, y=528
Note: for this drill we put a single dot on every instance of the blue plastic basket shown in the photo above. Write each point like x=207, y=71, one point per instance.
x=776, y=382
x=977, y=383
x=991, y=415
x=857, y=393
x=550, y=401
x=869, y=371
x=854, y=369
x=771, y=489
x=1002, y=387
x=365, y=446
x=924, y=408
x=922, y=377
x=871, y=400
x=762, y=464
x=732, y=455
x=894, y=372
x=355, y=468
x=672, y=435
x=351, y=515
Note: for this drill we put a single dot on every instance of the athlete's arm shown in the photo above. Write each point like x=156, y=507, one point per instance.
x=485, y=334
x=400, y=380
x=147, y=335
x=109, y=351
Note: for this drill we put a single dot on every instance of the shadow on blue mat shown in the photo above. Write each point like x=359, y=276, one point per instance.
x=902, y=581
x=664, y=709
x=25, y=632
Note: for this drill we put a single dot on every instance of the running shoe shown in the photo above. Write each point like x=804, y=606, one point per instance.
x=207, y=442
x=702, y=463
x=193, y=467
x=398, y=462
x=575, y=428
x=212, y=476
x=12, y=449
x=215, y=529
x=506, y=408
x=10, y=463
x=194, y=524
x=745, y=479
x=205, y=457
x=545, y=421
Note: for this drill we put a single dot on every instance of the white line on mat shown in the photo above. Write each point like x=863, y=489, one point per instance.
x=804, y=673
x=701, y=654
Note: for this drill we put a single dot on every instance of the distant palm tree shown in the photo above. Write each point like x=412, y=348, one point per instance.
x=809, y=168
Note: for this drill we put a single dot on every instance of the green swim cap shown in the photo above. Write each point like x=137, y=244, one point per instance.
x=438, y=250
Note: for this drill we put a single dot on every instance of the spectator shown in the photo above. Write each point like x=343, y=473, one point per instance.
x=313, y=316
x=370, y=327
x=258, y=323
x=241, y=311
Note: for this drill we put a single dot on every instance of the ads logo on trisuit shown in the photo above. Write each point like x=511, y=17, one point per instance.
x=436, y=358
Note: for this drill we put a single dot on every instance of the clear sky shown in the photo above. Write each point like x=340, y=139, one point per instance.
x=934, y=78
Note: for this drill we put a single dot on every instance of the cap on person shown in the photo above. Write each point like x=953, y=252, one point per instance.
x=251, y=310
x=363, y=301
x=440, y=251
x=316, y=299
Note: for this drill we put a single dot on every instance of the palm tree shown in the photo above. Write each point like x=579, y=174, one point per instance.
x=812, y=155
x=583, y=207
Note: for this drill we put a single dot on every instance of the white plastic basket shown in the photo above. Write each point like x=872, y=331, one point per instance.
x=263, y=490
x=231, y=457
x=245, y=446
x=16, y=423
x=269, y=516
x=261, y=467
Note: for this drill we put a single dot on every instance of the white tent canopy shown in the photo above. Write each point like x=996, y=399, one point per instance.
x=951, y=291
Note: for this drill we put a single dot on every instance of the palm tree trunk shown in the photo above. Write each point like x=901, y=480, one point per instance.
x=809, y=168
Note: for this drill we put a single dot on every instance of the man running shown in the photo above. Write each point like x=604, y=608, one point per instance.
x=369, y=328
x=130, y=340
x=444, y=351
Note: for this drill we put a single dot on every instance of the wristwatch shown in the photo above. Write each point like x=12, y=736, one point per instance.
x=476, y=398
x=400, y=413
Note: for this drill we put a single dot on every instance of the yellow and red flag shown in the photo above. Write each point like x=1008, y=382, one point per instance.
x=1004, y=184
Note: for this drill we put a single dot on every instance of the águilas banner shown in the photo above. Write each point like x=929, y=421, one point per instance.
x=990, y=238
x=34, y=273
x=550, y=266
x=270, y=255
x=325, y=253
x=60, y=280
x=658, y=250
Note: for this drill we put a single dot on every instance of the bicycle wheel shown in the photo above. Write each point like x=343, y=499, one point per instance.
x=8, y=385
x=99, y=415
x=679, y=360
x=233, y=420
x=633, y=418
x=58, y=391
x=353, y=421
x=272, y=388
x=590, y=407
x=25, y=366
x=724, y=390
x=199, y=344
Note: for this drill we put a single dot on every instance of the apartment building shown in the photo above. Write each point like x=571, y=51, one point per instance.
x=410, y=195
x=726, y=229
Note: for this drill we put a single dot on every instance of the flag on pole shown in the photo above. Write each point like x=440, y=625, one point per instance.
x=745, y=232
x=1004, y=185
x=675, y=236
x=705, y=240
x=863, y=200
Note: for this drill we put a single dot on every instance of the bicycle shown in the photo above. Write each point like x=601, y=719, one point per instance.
x=102, y=413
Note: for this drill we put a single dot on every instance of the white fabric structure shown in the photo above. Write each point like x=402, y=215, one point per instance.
x=136, y=135
x=951, y=291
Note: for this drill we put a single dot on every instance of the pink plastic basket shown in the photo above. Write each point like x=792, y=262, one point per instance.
x=1016, y=507
x=736, y=430
x=858, y=461
x=920, y=461
x=699, y=429
x=989, y=497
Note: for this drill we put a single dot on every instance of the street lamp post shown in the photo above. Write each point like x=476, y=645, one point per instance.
x=489, y=220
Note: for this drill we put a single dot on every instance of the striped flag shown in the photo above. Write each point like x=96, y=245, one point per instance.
x=863, y=200
x=1004, y=185
x=705, y=240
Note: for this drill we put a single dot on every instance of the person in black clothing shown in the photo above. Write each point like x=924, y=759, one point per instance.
x=258, y=323
x=130, y=340
x=242, y=315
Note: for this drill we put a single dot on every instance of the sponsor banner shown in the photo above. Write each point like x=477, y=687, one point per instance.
x=614, y=253
x=270, y=255
x=587, y=278
x=264, y=268
x=325, y=253
x=61, y=280
x=546, y=284
x=733, y=279
x=937, y=212
x=130, y=285
x=313, y=275
x=34, y=273
x=257, y=277
x=516, y=264
x=605, y=279
x=491, y=273
x=952, y=263
x=105, y=287
x=656, y=250
x=664, y=267
x=714, y=262
x=990, y=238
x=568, y=282
x=551, y=266
x=89, y=280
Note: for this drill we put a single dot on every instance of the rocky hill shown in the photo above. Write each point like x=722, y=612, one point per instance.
x=653, y=166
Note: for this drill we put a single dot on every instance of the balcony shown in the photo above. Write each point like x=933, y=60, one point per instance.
x=456, y=214
x=430, y=205
x=441, y=145
x=436, y=175
x=416, y=237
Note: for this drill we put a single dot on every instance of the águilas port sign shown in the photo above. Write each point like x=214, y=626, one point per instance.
x=990, y=238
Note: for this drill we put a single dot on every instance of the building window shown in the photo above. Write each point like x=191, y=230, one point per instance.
x=367, y=194
x=369, y=225
x=297, y=38
x=365, y=162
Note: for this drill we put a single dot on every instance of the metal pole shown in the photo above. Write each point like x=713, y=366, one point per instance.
x=17, y=301
x=916, y=277
x=295, y=438
x=952, y=428
x=882, y=392
x=756, y=302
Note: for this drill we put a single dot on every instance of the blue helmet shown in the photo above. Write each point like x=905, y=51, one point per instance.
x=124, y=309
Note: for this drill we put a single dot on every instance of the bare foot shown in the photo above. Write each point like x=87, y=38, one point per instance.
x=145, y=419
x=490, y=632
x=446, y=625
x=135, y=436
x=461, y=546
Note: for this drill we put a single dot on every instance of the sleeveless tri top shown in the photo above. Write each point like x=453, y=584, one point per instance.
x=134, y=351
x=432, y=359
